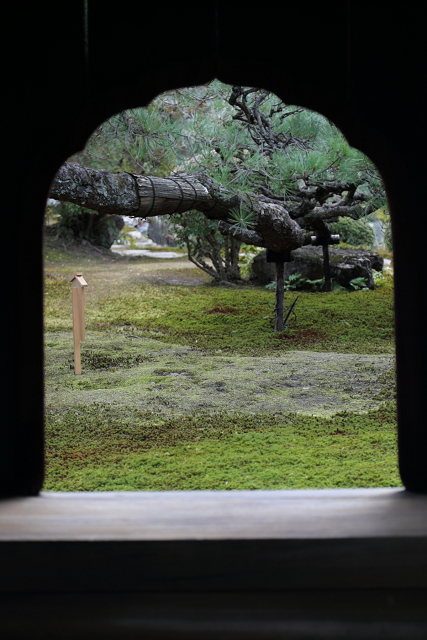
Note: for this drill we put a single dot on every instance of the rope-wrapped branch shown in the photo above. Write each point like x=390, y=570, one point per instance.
x=274, y=226
x=140, y=196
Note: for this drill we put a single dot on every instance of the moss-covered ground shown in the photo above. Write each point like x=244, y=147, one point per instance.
x=185, y=385
x=121, y=298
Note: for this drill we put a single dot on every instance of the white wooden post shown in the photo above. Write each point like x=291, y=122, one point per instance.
x=78, y=292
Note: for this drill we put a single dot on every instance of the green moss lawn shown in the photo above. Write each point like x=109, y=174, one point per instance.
x=185, y=385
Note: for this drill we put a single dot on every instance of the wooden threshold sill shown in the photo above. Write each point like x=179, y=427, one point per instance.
x=214, y=515
x=240, y=540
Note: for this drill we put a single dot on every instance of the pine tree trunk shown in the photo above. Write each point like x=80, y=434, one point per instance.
x=235, y=249
x=280, y=297
x=216, y=258
x=199, y=262
x=232, y=248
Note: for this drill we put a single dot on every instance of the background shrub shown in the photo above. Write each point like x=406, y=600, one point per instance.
x=354, y=232
x=73, y=221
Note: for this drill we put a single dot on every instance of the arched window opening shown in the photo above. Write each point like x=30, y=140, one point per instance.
x=239, y=310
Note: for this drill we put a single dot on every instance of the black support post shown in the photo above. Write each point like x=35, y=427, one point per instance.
x=280, y=297
x=279, y=257
x=326, y=267
x=325, y=241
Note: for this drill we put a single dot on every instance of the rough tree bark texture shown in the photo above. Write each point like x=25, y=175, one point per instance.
x=131, y=195
x=141, y=196
x=98, y=190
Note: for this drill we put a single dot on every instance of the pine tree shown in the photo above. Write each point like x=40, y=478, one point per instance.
x=228, y=165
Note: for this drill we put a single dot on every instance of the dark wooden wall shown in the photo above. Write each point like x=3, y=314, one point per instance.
x=360, y=64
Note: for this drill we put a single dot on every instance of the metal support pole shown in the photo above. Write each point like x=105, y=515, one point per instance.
x=326, y=268
x=280, y=297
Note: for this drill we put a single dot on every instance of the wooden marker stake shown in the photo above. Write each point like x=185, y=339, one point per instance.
x=76, y=332
x=78, y=283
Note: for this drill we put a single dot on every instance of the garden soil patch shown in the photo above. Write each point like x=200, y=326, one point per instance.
x=131, y=371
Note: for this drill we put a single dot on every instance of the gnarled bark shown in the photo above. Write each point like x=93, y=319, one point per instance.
x=96, y=189
x=145, y=196
x=140, y=196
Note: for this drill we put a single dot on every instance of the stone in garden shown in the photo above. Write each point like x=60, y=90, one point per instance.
x=262, y=272
x=345, y=265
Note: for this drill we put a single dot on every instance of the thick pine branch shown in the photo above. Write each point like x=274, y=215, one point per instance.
x=276, y=226
x=141, y=196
